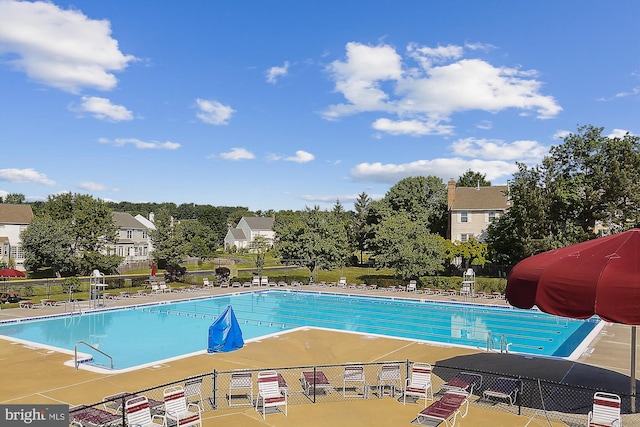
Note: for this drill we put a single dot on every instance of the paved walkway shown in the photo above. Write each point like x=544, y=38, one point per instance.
x=37, y=376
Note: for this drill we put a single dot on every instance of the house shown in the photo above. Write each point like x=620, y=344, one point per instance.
x=134, y=243
x=472, y=209
x=247, y=230
x=13, y=219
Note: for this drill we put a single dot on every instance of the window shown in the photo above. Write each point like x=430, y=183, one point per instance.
x=464, y=237
x=492, y=216
x=17, y=252
x=129, y=234
x=464, y=216
x=144, y=234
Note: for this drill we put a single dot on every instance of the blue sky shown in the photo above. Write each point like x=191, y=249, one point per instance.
x=288, y=104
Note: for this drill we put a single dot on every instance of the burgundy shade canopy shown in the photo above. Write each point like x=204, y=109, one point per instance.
x=599, y=276
x=11, y=272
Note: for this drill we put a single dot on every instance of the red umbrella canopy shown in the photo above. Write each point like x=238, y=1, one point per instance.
x=11, y=272
x=600, y=276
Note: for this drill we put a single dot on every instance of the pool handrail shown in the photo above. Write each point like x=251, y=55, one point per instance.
x=75, y=351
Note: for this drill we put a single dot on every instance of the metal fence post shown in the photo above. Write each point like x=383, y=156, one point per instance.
x=214, y=391
x=314, y=383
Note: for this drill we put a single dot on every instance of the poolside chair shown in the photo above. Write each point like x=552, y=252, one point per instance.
x=264, y=281
x=177, y=410
x=463, y=381
x=312, y=383
x=445, y=410
x=412, y=286
x=240, y=385
x=353, y=378
x=206, y=283
x=165, y=288
x=91, y=416
x=193, y=391
x=255, y=281
x=502, y=388
x=388, y=377
x=606, y=410
x=342, y=283
x=270, y=395
x=418, y=385
x=139, y=413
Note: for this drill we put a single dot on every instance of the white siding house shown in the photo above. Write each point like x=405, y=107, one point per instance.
x=13, y=219
x=247, y=230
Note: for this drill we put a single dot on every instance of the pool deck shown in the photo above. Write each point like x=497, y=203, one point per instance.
x=38, y=376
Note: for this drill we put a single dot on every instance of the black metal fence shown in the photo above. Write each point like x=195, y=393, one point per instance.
x=304, y=385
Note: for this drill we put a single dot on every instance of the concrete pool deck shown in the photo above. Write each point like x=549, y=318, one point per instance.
x=37, y=376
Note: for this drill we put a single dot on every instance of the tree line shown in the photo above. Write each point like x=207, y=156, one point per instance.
x=588, y=184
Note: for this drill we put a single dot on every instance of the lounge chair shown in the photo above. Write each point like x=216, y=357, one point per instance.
x=206, y=283
x=164, y=288
x=270, y=394
x=255, y=281
x=240, y=384
x=342, y=283
x=606, y=410
x=412, y=286
x=463, y=381
x=502, y=388
x=353, y=377
x=388, y=377
x=418, y=385
x=92, y=416
x=139, y=413
x=193, y=390
x=446, y=410
x=177, y=409
x=264, y=281
x=312, y=383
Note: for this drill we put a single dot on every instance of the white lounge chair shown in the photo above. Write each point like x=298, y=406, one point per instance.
x=193, y=392
x=412, y=286
x=270, y=394
x=418, y=385
x=389, y=377
x=240, y=385
x=177, y=409
x=465, y=381
x=312, y=383
x=139, y=413
x=206, y=283
x=502, y=388
x=353, y=377
x=606, y=410
x=342, y=283
x=255, y=281
x=264, y=281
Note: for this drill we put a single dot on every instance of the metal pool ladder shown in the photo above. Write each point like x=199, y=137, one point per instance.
x=75, y=351
x=494, y=344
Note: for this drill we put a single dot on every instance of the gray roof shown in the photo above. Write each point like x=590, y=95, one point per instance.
x=259, y=223
x=480, y=198
x=237, y=234
x=15, y=214
x=126, y=220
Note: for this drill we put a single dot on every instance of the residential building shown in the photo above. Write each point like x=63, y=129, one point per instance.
x=247, y=230
x=134, y=243
x=472, y=209
x=13, y=219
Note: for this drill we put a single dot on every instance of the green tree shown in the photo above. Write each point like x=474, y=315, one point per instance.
x=473, y=179
x=407, y=247
x=48, y=243
x=259, y=246
x=169, y=244
x=14, y=199
x=362, y=228
x=315, y=237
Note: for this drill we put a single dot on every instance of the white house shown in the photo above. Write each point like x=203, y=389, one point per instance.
x=472, y=209
x=13, y=219
x=247, y=230
x=134, y=243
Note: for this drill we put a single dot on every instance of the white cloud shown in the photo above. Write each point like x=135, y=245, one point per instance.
x=561, y=134
x=301, y=157
x=529, y=151
x=213, y=112
x=143, y=145
x=93, y=186
x=61, y=48
x=485, y=125
x=378, y=79
x=618, y=133
x=25, y=175
x=237, y=153
x=274, y=73
x=412, y=127
x=103, y=109
x=443, y=168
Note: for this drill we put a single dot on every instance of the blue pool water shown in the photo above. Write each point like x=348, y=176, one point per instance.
x=146, y=334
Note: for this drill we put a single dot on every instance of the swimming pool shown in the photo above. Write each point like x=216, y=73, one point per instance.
x=151, y=333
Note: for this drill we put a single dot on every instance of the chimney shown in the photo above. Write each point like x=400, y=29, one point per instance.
x=451, y=192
